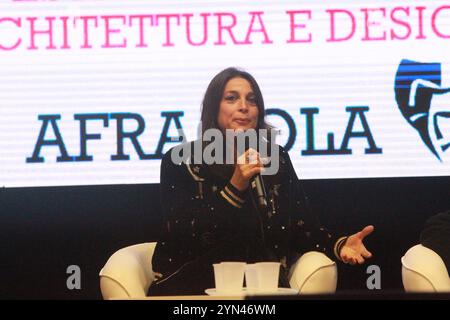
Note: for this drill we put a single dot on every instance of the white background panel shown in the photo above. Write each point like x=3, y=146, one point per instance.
x=147, y=80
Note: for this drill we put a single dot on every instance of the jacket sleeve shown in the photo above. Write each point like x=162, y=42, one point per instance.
x=436, y=236
x=307, y=233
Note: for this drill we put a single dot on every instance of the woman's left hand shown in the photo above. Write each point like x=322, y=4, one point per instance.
x=354, y=251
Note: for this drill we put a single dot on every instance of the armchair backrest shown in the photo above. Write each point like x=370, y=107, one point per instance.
x=314, y=273
x=423, y=270
x=128, y=272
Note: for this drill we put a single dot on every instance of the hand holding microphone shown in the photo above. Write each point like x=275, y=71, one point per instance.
x=248, y=173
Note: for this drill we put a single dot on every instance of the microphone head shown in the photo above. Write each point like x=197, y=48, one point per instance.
x=259, y=193
x=262, y=204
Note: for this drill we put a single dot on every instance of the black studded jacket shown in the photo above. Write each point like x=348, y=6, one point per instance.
x=209, y=221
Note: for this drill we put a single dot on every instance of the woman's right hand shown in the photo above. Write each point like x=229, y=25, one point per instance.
x=248, y=165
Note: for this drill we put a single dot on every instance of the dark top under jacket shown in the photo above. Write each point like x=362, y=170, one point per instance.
x=436, y=236
x=209, y=221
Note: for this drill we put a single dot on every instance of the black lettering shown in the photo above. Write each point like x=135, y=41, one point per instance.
x=310, y=148
x=290, y=123
x=175, y=115
x=84, y=136
x=349, y=133
x=41, y=141
x=121, y=135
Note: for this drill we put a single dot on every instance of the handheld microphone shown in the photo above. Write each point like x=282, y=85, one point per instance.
x=259, y=192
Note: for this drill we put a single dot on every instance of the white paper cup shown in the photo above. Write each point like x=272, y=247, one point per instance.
x=262, y=277
x=251, y=278
x=229, y=277
x=268, y=273
x=218, y=276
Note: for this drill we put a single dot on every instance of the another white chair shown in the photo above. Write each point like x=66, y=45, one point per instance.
x=314, y=273
x=423, y=270
x=128, y=272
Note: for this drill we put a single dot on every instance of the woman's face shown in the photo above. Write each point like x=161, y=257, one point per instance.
x=238, y=109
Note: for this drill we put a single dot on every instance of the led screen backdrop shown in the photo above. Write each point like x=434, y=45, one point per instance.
x=94, y=92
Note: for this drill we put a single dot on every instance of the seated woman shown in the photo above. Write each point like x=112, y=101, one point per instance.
x=210, y=211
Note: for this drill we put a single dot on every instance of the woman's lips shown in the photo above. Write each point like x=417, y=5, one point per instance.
x=242, y=121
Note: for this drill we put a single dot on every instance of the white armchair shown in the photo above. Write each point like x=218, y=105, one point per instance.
x=128, y=272
x=423, y=270
x=314, y=273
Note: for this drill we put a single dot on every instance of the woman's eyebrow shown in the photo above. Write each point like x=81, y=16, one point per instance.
x=231, y=91
x=237, y=92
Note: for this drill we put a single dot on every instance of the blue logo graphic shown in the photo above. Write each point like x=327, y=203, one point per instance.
x=417, y=86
